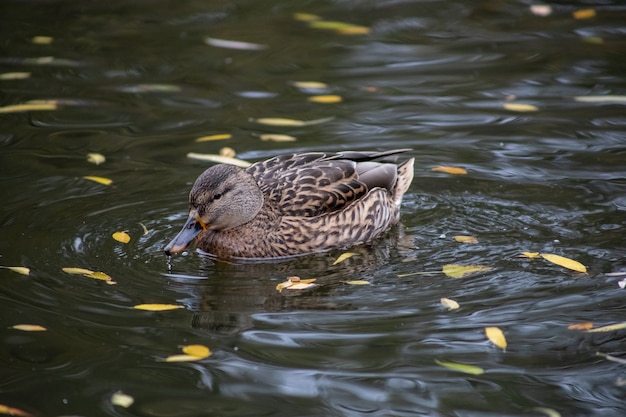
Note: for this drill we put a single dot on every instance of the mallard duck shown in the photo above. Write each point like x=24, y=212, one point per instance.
x=294, y=204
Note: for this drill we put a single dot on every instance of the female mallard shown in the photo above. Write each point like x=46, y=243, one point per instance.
x=294, y=204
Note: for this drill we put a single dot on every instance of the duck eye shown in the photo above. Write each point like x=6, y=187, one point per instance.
x=217, y=196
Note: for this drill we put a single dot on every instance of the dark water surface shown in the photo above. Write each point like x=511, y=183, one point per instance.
x=136, y=82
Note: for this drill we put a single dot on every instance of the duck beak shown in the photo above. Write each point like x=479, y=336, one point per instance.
x=190, y=230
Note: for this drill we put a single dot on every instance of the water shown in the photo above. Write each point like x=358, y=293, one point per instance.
x=137, y=83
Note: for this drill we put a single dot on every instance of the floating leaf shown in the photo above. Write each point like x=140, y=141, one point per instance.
x=460, y=271
x=77, y=271
x=343, y=257
x=601, y=99
x=541, y=10
x=520, y=107
x=326, y=99
x=199, y=351
x=99, y=180
x=580, y=326
x=5, y=409
x=17, y=108
x=450, y=170
x=151, y=88
x=340, y=27
x=222, y=136
x=584, y=14
x=19, y=269
x=157, y=307
x=611, y=358
x=609, y=328
x=95, y=158
x=530, y=255
x=29, y=327
x=465, y=239
x=354, y=30
x=121, y=237
x=310, y=85
x=42, y=40
x=550, y=412
x=279, y=121
x=495, y=335
x=358, y=282
x=230, y=44
x=145, y=229
x=182, y=358
x=419, y=273
x=122, y=400
x=564, y=262
x=219, y=159
x=227, y=152
x=306, y=17
x=15, y=75
x=296, y=283
x=449, y=303
x=275, y=137
x=468, y=369
x=90, y=274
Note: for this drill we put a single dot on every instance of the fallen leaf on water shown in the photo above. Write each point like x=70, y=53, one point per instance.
x=90, y=274
x=310, y=85
x=121, y=237
x=279, y=121
x=449, y=303
x=340, y=27
x=77, y=271
x=95, y=158
x=358, y=282
x=305, y=17
x=19, y=269
x=419, y=273
x=468, y=369
x=564, y=262
x=584, y=14
x=541, y=9
x=520, y=107
x=5, y=409
x=145, y=229
x=42, y=40
x=21, y=75
x=609, y=328
x=181, y=358
x=465, y=239
x=151, y=88
x=343, y=257
x=450, y=170
x=326, y=99
x=230, y=44
x=296, y=283
x=275, y=137
x=29, y=327
x=595, y=40
x=495, y=335
x=199, y=351
x=611, y=358
x=460, y=271
x=17, y=108
x=219, y=159
x=222, y=136
x=99, y=180
x=157, y=307
x=550, y=412
x=601, y=99
x=580, y=326
x=530, y=255
x=122, y=400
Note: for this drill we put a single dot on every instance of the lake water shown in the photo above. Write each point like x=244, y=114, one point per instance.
x=531, y=106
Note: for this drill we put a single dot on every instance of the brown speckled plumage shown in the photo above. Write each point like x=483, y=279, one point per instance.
x=295, y=204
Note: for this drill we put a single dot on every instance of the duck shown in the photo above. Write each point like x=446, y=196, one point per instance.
x=295, y=204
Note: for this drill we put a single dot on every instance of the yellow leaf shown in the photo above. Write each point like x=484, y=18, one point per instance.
x=468, y=369
x=520, y=107
x=222, y=136
x=460, y=271
x=295, y=283
x=601, y=99
x=157, y=307
x=358, y=282
x=227, y=152
x=182, y=358
x=580, y=326
x=530, y=255
x=495, y=335
x=95, y=158
x=99, y=275
x=465, y=239
x=449, y=304
x=584, y=13
x=199, y=351
x=609, y=328
x=419, y=273
x=564, y=262
x=4, y=409
x=121, y=237
x=17, y=108
x=305, y=17
x=343, y=257
x=145, y=229
x=29, y=327
x=219, y=159
x=450, y=170
x=122, y=400
x=274, y=137
x=341, y=27
x=19, y=269
x=77, y=271
x=42, y=40
x=326, y=99
x=99, y=180
x=354, y=30
x=14, y=75
x=279, y=121
x=230, y=44
x=310, y=85
x=301, y=286
x=550, y=412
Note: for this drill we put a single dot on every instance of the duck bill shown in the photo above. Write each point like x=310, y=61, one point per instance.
x=188, y=233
